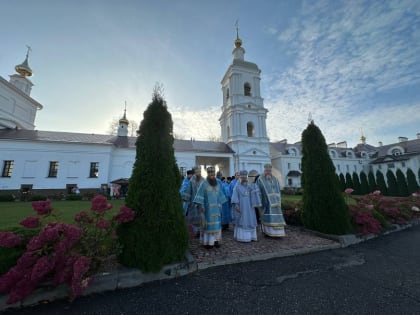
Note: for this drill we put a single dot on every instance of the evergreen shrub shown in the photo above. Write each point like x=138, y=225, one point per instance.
x=7, y=198
x=158, y=235
x=324, y=207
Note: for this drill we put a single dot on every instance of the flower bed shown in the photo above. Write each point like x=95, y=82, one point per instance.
x=59, y=252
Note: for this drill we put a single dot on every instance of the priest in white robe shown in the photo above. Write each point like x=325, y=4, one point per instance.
x=245, y=198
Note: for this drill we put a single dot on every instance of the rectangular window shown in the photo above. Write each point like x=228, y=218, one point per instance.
x=391, y=165
x=53, y=169
x=7, y=168
x=94, y=169
x=338, y=167
x=183, y=171
x=300, y=167
x=355, y=168
x=403, y=164
x=380, y=166
x=347, y=168
x=288, y=166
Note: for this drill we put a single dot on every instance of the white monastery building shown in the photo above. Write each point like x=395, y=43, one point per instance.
x=46, y=162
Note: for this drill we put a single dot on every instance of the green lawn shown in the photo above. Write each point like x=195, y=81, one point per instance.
x=291, y=198
x=11, y=213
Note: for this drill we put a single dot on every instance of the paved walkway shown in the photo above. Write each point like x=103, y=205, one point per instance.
x=113, y=276
x=296, y=241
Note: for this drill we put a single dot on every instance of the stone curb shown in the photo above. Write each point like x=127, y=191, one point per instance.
x=127, y=277
x=351, y=239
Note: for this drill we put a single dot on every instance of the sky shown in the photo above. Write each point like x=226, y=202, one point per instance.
x=351, y=66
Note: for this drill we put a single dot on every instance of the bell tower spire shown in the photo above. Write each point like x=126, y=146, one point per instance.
x=20, y=80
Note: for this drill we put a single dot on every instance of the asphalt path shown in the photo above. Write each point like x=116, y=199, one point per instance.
x=380, y=276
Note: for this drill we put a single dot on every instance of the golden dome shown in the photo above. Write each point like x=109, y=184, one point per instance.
x=124, y=119
x=24, y=69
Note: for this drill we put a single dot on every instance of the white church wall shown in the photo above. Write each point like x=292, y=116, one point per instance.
x=16, y=108
x=122, y=162
x=73, y=164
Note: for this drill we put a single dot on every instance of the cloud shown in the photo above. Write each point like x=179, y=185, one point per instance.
x=198, y=124
x=347, y=56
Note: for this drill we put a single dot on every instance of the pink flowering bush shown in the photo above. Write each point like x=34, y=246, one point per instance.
x=363, y=221
x=373, y=212
x=10, y=239
x=31, y=222
x=61, y=253
x=48, y=256
x=348, y=191
x=42, y=207
x=99, y=241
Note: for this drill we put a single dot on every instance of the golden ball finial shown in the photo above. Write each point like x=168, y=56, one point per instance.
x=238, y=42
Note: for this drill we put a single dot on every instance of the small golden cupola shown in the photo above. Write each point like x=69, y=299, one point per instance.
x=362, y=137
x=123, y=124
x=23, y=69
x=238, y=52
x=20, y=79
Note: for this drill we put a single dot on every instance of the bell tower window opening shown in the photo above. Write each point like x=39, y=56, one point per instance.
x=250, y=129
x=247, y=89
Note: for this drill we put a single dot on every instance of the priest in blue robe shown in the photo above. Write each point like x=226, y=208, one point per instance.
x=272, y=220
x=210, y=198
x=245, y=198
x=183, y=188
x=193, y=209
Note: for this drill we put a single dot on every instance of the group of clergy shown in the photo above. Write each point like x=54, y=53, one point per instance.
x=211, y=205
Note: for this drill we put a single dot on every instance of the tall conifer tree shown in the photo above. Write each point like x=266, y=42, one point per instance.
x=392, y=183
x=342, y=182
x=158, y=235
x=356, y=183
x=364, y=185
x=372, y=182
x=412, y=184
x=349, y=181
x=380, y=181
x=402, y=187
x=325, y=209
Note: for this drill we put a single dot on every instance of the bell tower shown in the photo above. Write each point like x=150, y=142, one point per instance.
x=243, y=119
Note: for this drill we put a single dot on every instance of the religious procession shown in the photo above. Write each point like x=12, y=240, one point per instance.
x=216, y=203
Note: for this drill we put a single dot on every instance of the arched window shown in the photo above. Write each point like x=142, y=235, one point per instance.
x=396, y=152
x=250, y=129
x=333, y=154
x=247, y=89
